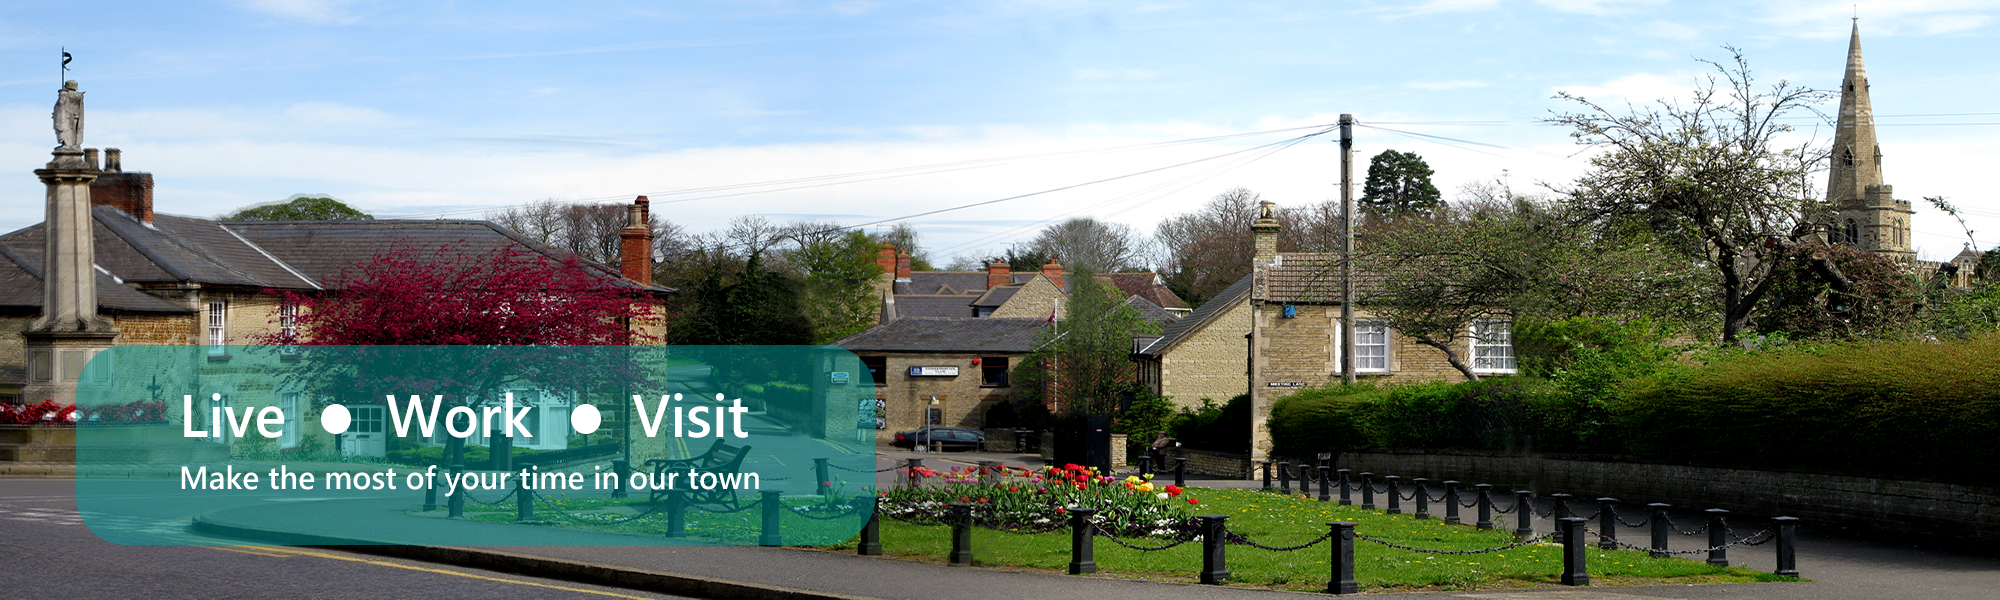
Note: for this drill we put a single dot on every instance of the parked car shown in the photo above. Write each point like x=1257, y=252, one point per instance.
x=948, y=438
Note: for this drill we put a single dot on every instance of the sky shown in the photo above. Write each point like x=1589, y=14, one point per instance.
x=863, y=111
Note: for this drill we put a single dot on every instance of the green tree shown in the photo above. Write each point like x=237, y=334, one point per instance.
x=727, y=302
x=1399, y=184
x=1708, y=176
x=838, y=272
x=300, y=208
x=1083, y=363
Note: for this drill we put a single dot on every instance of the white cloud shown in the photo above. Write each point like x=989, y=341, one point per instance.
x=1823, y=19
x=1446, y=85
x=325, y=12
x=1639, y=88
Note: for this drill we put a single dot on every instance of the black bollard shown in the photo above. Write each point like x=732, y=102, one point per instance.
x=1484, y=500
x=1342, y=581
x=1367, y=491
x=1423, y=498
x=1344, y=475
x=1451, y=503
x=1574, y=571
x=961, y=534
x=1607, y=523
x=1559, y=512
x=1395, y=496
x=910, y=466
x=1082, y=539
x=676, y=514
x=1325, y=484
x=1267, y=475
x=623, y=469
x=1660, y=529
x=524, y=501
x=1180, y=472
x=1788, y=559
x=1718, y=536
x=770, y=535
x=871, y=536
x=456, y=502
x=431, y=494
x=1214, y=565
x=1524, y=509
x=1285, y=476
x=1146, y=466
x=822, y=481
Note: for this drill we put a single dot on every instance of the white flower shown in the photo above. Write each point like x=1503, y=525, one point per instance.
x=1162, y=495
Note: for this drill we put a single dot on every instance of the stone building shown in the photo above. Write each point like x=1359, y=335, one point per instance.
x=106, y=269
x=944, y=371
x=1277, y=330
x=1866, y=213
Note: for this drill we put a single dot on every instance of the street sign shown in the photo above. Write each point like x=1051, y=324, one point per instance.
x=933, y=371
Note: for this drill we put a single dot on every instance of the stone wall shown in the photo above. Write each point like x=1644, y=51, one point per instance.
x=1896, y=509
x=1203, y=462
x=962, y=400
x=1210, y=362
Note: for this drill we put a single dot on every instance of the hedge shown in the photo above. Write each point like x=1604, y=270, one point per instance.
x=1917, y=409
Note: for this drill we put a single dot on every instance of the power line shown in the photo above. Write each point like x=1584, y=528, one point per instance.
x=879, y=174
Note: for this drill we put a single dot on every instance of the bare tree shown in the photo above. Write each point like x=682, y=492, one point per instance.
x=1708, y=176
x=1091, y=245
x=589, y=231
x=1204, y=251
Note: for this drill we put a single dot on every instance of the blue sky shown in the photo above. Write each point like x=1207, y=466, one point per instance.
x=423, y=109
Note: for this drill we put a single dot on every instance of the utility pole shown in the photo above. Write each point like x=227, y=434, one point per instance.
x=1347, y=248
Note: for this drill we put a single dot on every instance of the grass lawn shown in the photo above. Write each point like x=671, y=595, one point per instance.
x=1278, y=520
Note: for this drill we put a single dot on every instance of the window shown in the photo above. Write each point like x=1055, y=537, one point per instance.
x=993, y=371
x=288, y=402
x=218, y=311
x=1492, y=347
x=936, y=417
x=288, y=327
x=878, y=368
x=1371, y=346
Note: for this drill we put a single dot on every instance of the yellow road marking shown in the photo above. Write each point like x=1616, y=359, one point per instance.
x=242, y=551
x=439, y=571
x=842, y=449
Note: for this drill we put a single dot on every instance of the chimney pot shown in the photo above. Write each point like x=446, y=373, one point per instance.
x=113, y=162
x=635, y=245
x=90, y=158
x=1053, y=271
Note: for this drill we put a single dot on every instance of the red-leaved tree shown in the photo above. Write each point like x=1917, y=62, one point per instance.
x=450, y=297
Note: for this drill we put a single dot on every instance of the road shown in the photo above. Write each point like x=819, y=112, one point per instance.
x=49, y=553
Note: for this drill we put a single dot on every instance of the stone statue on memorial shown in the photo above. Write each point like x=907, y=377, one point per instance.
x=69, y=117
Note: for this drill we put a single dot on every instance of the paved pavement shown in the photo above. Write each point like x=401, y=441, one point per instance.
x=1843, y=569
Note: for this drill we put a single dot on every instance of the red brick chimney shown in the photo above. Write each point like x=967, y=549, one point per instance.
x=1053, y=271
x=885, y=258
x=997, y=274
x=902, y=266
x=129, y=192
x=635, y=244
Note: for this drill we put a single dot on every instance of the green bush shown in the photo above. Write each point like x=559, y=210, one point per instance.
x=1482, y=414
x=1318, y=419
x=1895, y=408
x=1216, y=428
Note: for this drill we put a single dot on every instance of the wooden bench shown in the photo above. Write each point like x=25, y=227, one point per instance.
x=721, y=458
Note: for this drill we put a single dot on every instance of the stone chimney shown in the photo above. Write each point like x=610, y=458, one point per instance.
x=903, y=266
x=131, y=193
x=1265, y=231
x=997, y=274
x=635, y=244
x=1054, y=272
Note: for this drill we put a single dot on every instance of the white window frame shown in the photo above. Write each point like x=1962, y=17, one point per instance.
x=1483, y=364
x=288, y=403
x=217, y=326
x=1386, y=345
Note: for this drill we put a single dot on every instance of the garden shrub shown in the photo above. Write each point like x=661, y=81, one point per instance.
x=1224, y=428
x=1903, y=409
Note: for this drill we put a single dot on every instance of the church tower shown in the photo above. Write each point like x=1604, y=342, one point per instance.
x=1867, y=214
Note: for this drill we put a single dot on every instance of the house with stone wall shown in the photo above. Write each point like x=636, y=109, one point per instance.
x=105, y=269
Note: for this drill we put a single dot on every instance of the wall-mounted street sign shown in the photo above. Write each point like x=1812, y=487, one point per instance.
x=933, y=371
x=839, y=377
x=1285, y=384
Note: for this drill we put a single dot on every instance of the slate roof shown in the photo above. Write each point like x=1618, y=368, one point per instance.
x=998, y=296
x=298, y=255
x=943, y=282
x=960, y=335
x=1176, y=332
x=915, y=305
x=1150, y=311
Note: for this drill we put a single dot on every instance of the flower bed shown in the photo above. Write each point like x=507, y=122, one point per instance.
x=49, y=414
x=1023, y=499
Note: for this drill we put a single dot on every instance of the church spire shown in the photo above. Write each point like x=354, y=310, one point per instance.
x=1857, y=158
